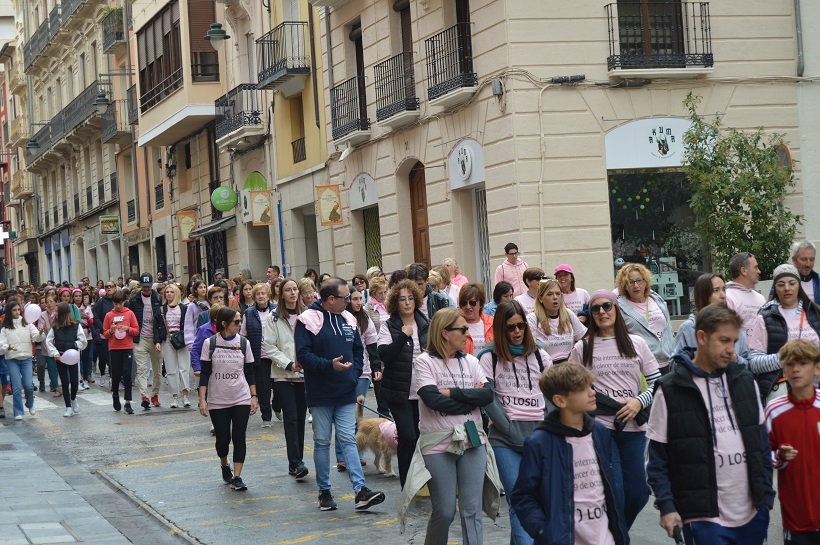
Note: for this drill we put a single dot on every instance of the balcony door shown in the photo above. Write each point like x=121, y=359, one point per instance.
x=651, y=33
x=405, y=21
x=358, y=47
x=418, y=207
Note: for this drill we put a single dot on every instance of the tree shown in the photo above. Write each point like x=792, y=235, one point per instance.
x=738, y=186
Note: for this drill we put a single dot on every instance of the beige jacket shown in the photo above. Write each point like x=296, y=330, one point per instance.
x=16, y=343
x=280, y=346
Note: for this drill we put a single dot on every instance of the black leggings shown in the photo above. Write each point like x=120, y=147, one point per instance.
x=264, y=389
x=230, y=424
x=406, y=416
x=294, y=409
x=69, y=377
x=121, y=362
x=101, y=353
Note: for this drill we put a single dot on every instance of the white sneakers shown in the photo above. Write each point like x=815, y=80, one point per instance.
x=18, y=417
x=32, y=411
x=75, y=406
x=174, y=404
x=185, y=402
x=68, y=412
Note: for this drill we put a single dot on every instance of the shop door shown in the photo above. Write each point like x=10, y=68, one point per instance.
x=372, y=237
x=418, y=204
x=161, y=259
x=216, y=254
x=194, y=258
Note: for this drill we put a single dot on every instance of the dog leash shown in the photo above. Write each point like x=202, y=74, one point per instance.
x=377, y=412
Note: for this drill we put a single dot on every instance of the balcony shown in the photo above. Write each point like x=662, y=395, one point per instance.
x=450, y=76
x=54, y=22
x=668, y=39
x=239, y=117
x=284, y=63
x=113, y=34
x=133, y=106
x=21, y=186
x=18, y=134
x=132, y=210
x=348, y=108
x=396, y=102
x=115, y=127
x=154, y=96
x=299, y=151
x=35, y=45
x=330, y=3
x=17, y=78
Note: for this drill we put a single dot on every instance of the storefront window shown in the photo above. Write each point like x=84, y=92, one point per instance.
x=653, y=224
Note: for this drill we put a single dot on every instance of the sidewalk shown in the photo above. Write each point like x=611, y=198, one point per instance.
x=46, y=497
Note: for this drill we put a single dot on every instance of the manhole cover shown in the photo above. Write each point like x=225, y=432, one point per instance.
x=7, y=446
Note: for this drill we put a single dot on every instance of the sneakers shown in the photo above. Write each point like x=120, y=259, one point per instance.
x=116, y=398
x=266, y=424
x=155, y=401
x=213, y=432
x=227, y=474
x=81, y=386
x=75, y=406
x=366, y=498
x=85, y=385
x=326, y=502
x=102, y=381
x=278, y=415
x=128, y=408
x=145, y=403
x=174, y=403
x=238, y=485
x=310, y=418
x=18, y=417
x=68, y=412
x=341, y=466
x=58, y=392
x=185, y=402
x=32, y=410
x=2, y=412
x=298, y=472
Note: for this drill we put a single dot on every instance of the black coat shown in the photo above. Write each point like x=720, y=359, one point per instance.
x=397, y=358
x=135, y=304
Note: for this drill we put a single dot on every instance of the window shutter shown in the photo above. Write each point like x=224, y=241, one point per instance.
x=149, y=44
x=175, y=12
x=158, y=36
x=143, y=59
x=200, y=17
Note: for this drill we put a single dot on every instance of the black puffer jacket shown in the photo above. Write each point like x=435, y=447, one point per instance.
x=397, y=358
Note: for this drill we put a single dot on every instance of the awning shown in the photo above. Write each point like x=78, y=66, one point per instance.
x=213, y=227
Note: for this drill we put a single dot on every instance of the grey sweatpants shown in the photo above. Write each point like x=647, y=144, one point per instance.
x=451, y=473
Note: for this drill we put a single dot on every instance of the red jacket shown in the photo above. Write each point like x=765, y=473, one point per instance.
x=488, y=334
x=127, y=318
x=797, y=423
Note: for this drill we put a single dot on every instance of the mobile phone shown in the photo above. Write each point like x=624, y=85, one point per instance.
x=472, y=433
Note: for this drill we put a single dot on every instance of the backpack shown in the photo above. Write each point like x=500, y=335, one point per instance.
x=243, y=345
x=537, y=357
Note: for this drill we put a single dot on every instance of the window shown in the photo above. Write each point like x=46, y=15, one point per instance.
x=160, y=55
x=204, y=60
x=82, y=71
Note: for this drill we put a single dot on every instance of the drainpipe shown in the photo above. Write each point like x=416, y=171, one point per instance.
x=541, y=181
x=199, y=193
x=272, y=176
x=313, y=65
x=801, y=63
x=330, y=50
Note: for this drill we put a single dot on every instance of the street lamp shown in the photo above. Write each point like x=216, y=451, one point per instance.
x=101, y=103
x=216, y=36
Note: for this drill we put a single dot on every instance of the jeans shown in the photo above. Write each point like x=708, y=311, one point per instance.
x=632, y=479
x=20, y=370
x=344, y=418
x=177, y=367
x=294, y=409
x=230, y=425
x=406, y=416
x=753, y=532
x=69, y=378
x=509, y=462
x=85, y=361
x=361, y=390
x=53, y=377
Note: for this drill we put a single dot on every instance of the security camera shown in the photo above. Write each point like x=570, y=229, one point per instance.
x=347, y=151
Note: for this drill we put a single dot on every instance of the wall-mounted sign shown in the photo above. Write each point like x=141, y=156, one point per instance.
x=187, y=223
x=223, y=198
x=655, y=142
x=363, y=192
x=466, y=165
x=254, y=182
x=784, y=155
x=261, y=207
x=110, y=225
x=329, y=204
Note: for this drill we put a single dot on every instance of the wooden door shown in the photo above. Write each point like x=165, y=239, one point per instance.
x=418, y=206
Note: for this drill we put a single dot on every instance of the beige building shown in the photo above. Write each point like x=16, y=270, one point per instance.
x=557, y=126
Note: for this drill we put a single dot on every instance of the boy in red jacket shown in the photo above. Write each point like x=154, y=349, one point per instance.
x=793, y=422
x=120, y=327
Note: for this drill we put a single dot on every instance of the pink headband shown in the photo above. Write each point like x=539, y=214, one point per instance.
x=604, y=294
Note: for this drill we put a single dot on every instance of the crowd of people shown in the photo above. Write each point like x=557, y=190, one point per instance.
x=575, y=404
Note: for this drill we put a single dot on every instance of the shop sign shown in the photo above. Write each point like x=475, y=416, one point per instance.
x=110, y=225
x=466, y=165
x=363, y=192
x=223, y=198
x=655, y=142
x=261, y=208
x=329, y=204
x=186, y=219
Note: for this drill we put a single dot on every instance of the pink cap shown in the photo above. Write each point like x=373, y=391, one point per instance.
x=102, y=293
x=564, y=268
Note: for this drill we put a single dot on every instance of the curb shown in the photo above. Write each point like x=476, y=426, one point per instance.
x=173, y=530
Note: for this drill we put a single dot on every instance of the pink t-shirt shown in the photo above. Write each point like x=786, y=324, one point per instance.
x=745, y=302
x=227, y=386
x=516, y=385
x=760, y=336
x=557, y=344
x=455, y=373
x=526, y=301
x=172, y=319
x=477, y=334
x=617, y=376
x=808, y=287
x=147, y=318
x=591, y=521
x=735, y=506
x=369, y=337
x=576, y=300
x=386, y=338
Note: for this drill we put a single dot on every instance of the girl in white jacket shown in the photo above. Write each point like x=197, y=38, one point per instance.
x=16, y=338
x=66, y=334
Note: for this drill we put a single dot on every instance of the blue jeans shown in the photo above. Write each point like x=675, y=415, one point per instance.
x=344, y=418
x=630, y=455
x=53, y=377
x=86, y=357
x=361, y=390
x=20, y=370
x=753, y=532
x=508, y=462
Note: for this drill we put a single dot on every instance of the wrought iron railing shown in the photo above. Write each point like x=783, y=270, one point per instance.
x=241, y=107
x=69, y=7
x=154, y=95
x=133, y=105
x=395, y=86
x=670, y=34
x=159, y=197
x=348, y=107
x=114, y=185
x=79, y=109
x=283, y=51
x=54, y=22
x=112, y=29
x=115, y=120
x=100, y=191
x=35, y=44
x=132, y=210
x=450, y=61
x=44, y=141
x=299, y=152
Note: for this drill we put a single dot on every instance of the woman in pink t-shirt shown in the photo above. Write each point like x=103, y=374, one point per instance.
x=618, y=359
x=554, y=327
x=450, y=386
x=228, y=380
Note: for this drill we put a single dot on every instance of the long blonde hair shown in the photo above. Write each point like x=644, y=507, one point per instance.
x=541, y=315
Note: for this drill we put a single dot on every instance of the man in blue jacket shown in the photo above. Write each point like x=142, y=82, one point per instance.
x=330, y=351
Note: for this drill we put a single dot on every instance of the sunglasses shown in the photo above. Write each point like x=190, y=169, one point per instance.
x=110, y=286
x=238, y=322
x=346, y=298
x=471, y=302
x=595, y=309
x=520, y=326
x=464, y=329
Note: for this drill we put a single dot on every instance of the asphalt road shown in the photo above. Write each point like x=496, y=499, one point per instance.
x=165, y=458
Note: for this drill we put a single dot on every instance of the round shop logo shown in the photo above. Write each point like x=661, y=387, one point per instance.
x=663, y=142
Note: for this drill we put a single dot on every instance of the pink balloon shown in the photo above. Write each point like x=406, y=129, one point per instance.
x=70, y=357
x=32, y=313
x=119, y=334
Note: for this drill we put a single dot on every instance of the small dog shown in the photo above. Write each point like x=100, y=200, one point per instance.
x=378, y=435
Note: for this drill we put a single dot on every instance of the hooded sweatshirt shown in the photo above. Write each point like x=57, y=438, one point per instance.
x=514, y=274
x=746, y=302
x=687, y=338
x=121, y=317
x=321, y=336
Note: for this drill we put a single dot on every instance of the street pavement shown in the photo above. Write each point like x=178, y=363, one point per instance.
x=154, y=478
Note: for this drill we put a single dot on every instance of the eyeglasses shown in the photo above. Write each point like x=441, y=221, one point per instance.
x=463, y=329
x=238, y=322
x=360, y=281
x=471, y=302
x=595, y=309
x=513, y=254
x=110, y=286
x=346, y=297
x=638, y=282
x=520, y=326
